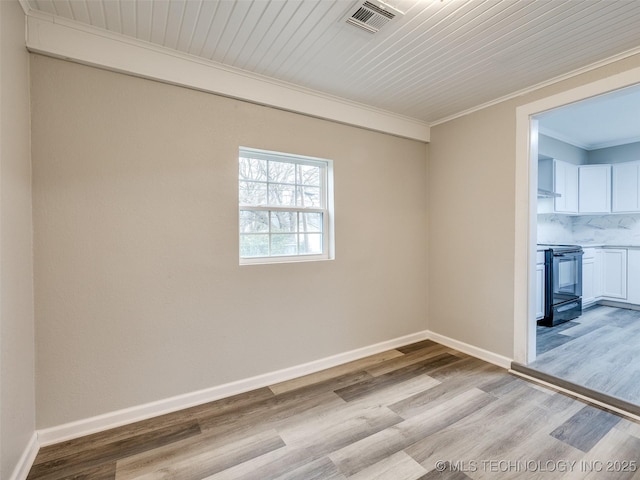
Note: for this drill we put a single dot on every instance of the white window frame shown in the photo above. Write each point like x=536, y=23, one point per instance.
x=326, y=208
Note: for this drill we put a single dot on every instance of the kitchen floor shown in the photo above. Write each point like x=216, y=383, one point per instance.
x=600, y=351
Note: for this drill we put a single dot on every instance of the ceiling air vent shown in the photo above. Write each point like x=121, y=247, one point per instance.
x=371, y=16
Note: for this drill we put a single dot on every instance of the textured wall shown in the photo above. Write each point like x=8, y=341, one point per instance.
x=17, y=395
x=622, y=153
x=560, y=150
x=139, y=295
x=472, y=219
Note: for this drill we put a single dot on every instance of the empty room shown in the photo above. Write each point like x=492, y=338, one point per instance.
x=307, y=239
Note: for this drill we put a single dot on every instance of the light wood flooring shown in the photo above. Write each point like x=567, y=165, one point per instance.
x=599, y=350
x=400, y=415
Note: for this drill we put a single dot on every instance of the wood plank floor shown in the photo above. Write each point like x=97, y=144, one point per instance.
x=599, y=350
x=419, y=412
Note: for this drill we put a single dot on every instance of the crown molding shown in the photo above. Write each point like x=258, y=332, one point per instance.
x=70, y=40
x=25, y=6
x=588, y=147
x=538, y=86
x=547, y=132
x=616, y=143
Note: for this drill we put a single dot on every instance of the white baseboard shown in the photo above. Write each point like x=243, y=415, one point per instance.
x=109, y=420
x=26, y=459
x=487, y=356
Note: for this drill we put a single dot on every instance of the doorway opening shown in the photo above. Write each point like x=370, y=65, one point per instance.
x=593, y=352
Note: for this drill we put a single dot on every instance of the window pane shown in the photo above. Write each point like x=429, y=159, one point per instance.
x=310, y=222
x=282, y=205
x=282, y=172
x=252, y=169
x=310, y=243
x=282, y=195
x=284, y=244
x=309, y=197
x=309, y=175
x=254, y=245
x=252, y=193
x=253, y=222
x=284, y=221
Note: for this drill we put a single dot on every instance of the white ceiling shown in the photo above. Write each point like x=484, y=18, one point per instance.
x=439, y=59
x=599, y=122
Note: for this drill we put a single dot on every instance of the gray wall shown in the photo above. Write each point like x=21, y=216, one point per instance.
x=139, y=295
x=621, y=153
x=472, y=218
x=17, y=396
x=553, y=148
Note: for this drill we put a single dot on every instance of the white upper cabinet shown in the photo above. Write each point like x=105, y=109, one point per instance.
x=594, y=188
x=626, y=187
x=565, y=181
x=590, y=189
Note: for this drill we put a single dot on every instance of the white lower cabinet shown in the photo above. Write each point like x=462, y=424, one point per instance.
x=591, y=276
x=539, y=291
x=614, y=273
x=633, y=276
x=611, y=274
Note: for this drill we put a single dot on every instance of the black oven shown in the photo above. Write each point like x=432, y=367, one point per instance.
x=562, y=284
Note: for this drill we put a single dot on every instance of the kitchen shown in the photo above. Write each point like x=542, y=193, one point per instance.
x=588, y=254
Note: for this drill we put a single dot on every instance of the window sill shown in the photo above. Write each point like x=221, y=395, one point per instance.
x=284, y=259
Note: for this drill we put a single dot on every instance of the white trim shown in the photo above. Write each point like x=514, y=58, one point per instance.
x=26, y=459
x=525, y=220
x=125, y=416
x=60, y=37
x=524, y=271
x=324, y=165
x=571, y=393
x=537, y=86
x=594, y=146
x=614, y=143
x=547, y=132
x=25, y=6
x=482, y=354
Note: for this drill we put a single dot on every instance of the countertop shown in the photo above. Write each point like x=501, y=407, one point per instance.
x=597, y=245
x=606, y=245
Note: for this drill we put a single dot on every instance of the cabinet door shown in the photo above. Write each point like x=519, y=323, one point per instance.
x=597, y=274
x=540, y=291
x=591, y=276
x=626, y=187
x=588, y=281
x=594, y=188
x=565, y=181
x=614, y=273
x=633, y=274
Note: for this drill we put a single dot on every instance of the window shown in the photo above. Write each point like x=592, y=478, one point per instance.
x=284, y=207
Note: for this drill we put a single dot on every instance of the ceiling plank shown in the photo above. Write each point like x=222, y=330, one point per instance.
x=112, y=14
x=437, y=59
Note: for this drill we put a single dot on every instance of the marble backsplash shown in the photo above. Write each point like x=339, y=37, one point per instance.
x=589, y=229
